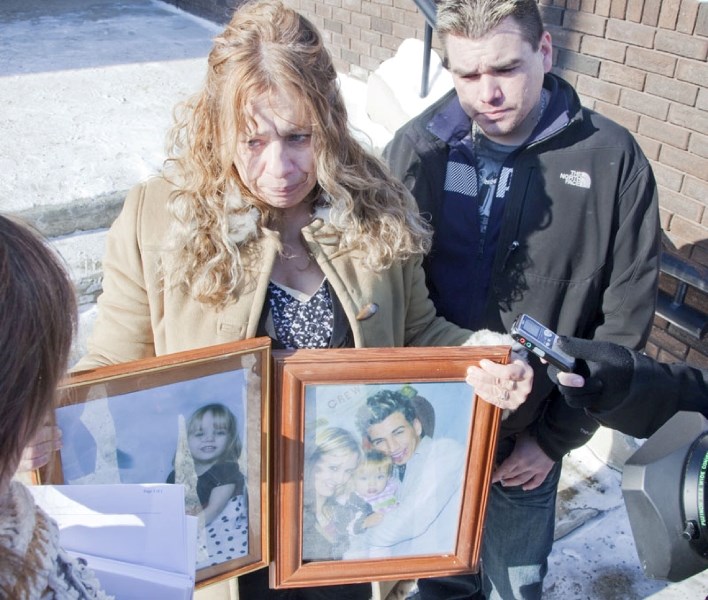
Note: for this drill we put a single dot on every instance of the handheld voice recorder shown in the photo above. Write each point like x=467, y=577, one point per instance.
x=540, y=340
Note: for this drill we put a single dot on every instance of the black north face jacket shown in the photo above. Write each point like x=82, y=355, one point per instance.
x=578, y=247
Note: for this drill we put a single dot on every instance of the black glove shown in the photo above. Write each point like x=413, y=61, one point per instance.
x=607, y=368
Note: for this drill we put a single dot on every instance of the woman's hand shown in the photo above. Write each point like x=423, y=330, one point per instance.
x=505, y=386
x=39, y=451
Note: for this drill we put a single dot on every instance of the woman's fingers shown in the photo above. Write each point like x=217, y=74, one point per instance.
x=505, y=386
x=39, y=451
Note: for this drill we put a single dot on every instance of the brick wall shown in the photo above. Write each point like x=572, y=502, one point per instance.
x=640, y=62
x=361, y=34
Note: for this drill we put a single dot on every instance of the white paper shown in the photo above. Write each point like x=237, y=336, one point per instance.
x=192, y=524
x=127, y=581
x=139, y=524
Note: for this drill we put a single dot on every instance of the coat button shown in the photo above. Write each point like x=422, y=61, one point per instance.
x=367, y=311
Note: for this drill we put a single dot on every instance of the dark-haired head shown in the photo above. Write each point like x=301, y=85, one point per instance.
x=382, y=405
x=37, y=322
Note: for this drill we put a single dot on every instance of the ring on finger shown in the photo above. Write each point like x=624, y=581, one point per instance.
x=510, y=385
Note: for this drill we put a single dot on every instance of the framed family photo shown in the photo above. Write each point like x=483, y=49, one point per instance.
x=197, y=418
x=383, y=461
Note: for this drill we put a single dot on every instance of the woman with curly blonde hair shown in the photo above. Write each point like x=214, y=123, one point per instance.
x=270, y=219
x=273, y=54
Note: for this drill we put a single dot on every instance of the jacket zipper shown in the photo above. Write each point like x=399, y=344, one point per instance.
x=510, y=248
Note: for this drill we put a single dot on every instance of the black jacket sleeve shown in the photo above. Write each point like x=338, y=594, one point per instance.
x=657, y=392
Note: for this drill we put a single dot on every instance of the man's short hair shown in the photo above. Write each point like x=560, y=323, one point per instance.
x=474, y=19
x=382, y=405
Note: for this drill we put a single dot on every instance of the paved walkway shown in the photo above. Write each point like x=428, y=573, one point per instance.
x=87, y=90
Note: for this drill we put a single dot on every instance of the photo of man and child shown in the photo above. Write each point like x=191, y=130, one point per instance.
x=384, y=469
x=190, y=433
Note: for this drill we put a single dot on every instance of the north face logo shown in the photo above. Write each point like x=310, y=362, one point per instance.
x=577, y=178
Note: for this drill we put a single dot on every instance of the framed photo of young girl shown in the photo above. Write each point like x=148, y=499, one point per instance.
x=198, y=418
x=383, y=461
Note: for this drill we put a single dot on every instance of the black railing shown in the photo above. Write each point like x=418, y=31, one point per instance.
x=673, y=308
x=427, y=8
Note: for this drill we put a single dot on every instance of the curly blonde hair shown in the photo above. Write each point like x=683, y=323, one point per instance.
x=268, y=48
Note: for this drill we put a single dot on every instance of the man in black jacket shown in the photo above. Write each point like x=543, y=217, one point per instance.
x=541, y=206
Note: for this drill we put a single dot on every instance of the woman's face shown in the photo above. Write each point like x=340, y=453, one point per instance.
x=333, y=470
x=276, y=160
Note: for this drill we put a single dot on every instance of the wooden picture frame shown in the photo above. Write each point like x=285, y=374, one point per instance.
x=133, y=422
x=321, y=392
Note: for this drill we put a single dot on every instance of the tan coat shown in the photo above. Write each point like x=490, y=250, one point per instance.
x=138, y=318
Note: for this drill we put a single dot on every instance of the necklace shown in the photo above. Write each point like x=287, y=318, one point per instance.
x=300, y=260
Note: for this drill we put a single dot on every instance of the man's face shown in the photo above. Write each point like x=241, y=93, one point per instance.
x=499, y=78
x=396, y=437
